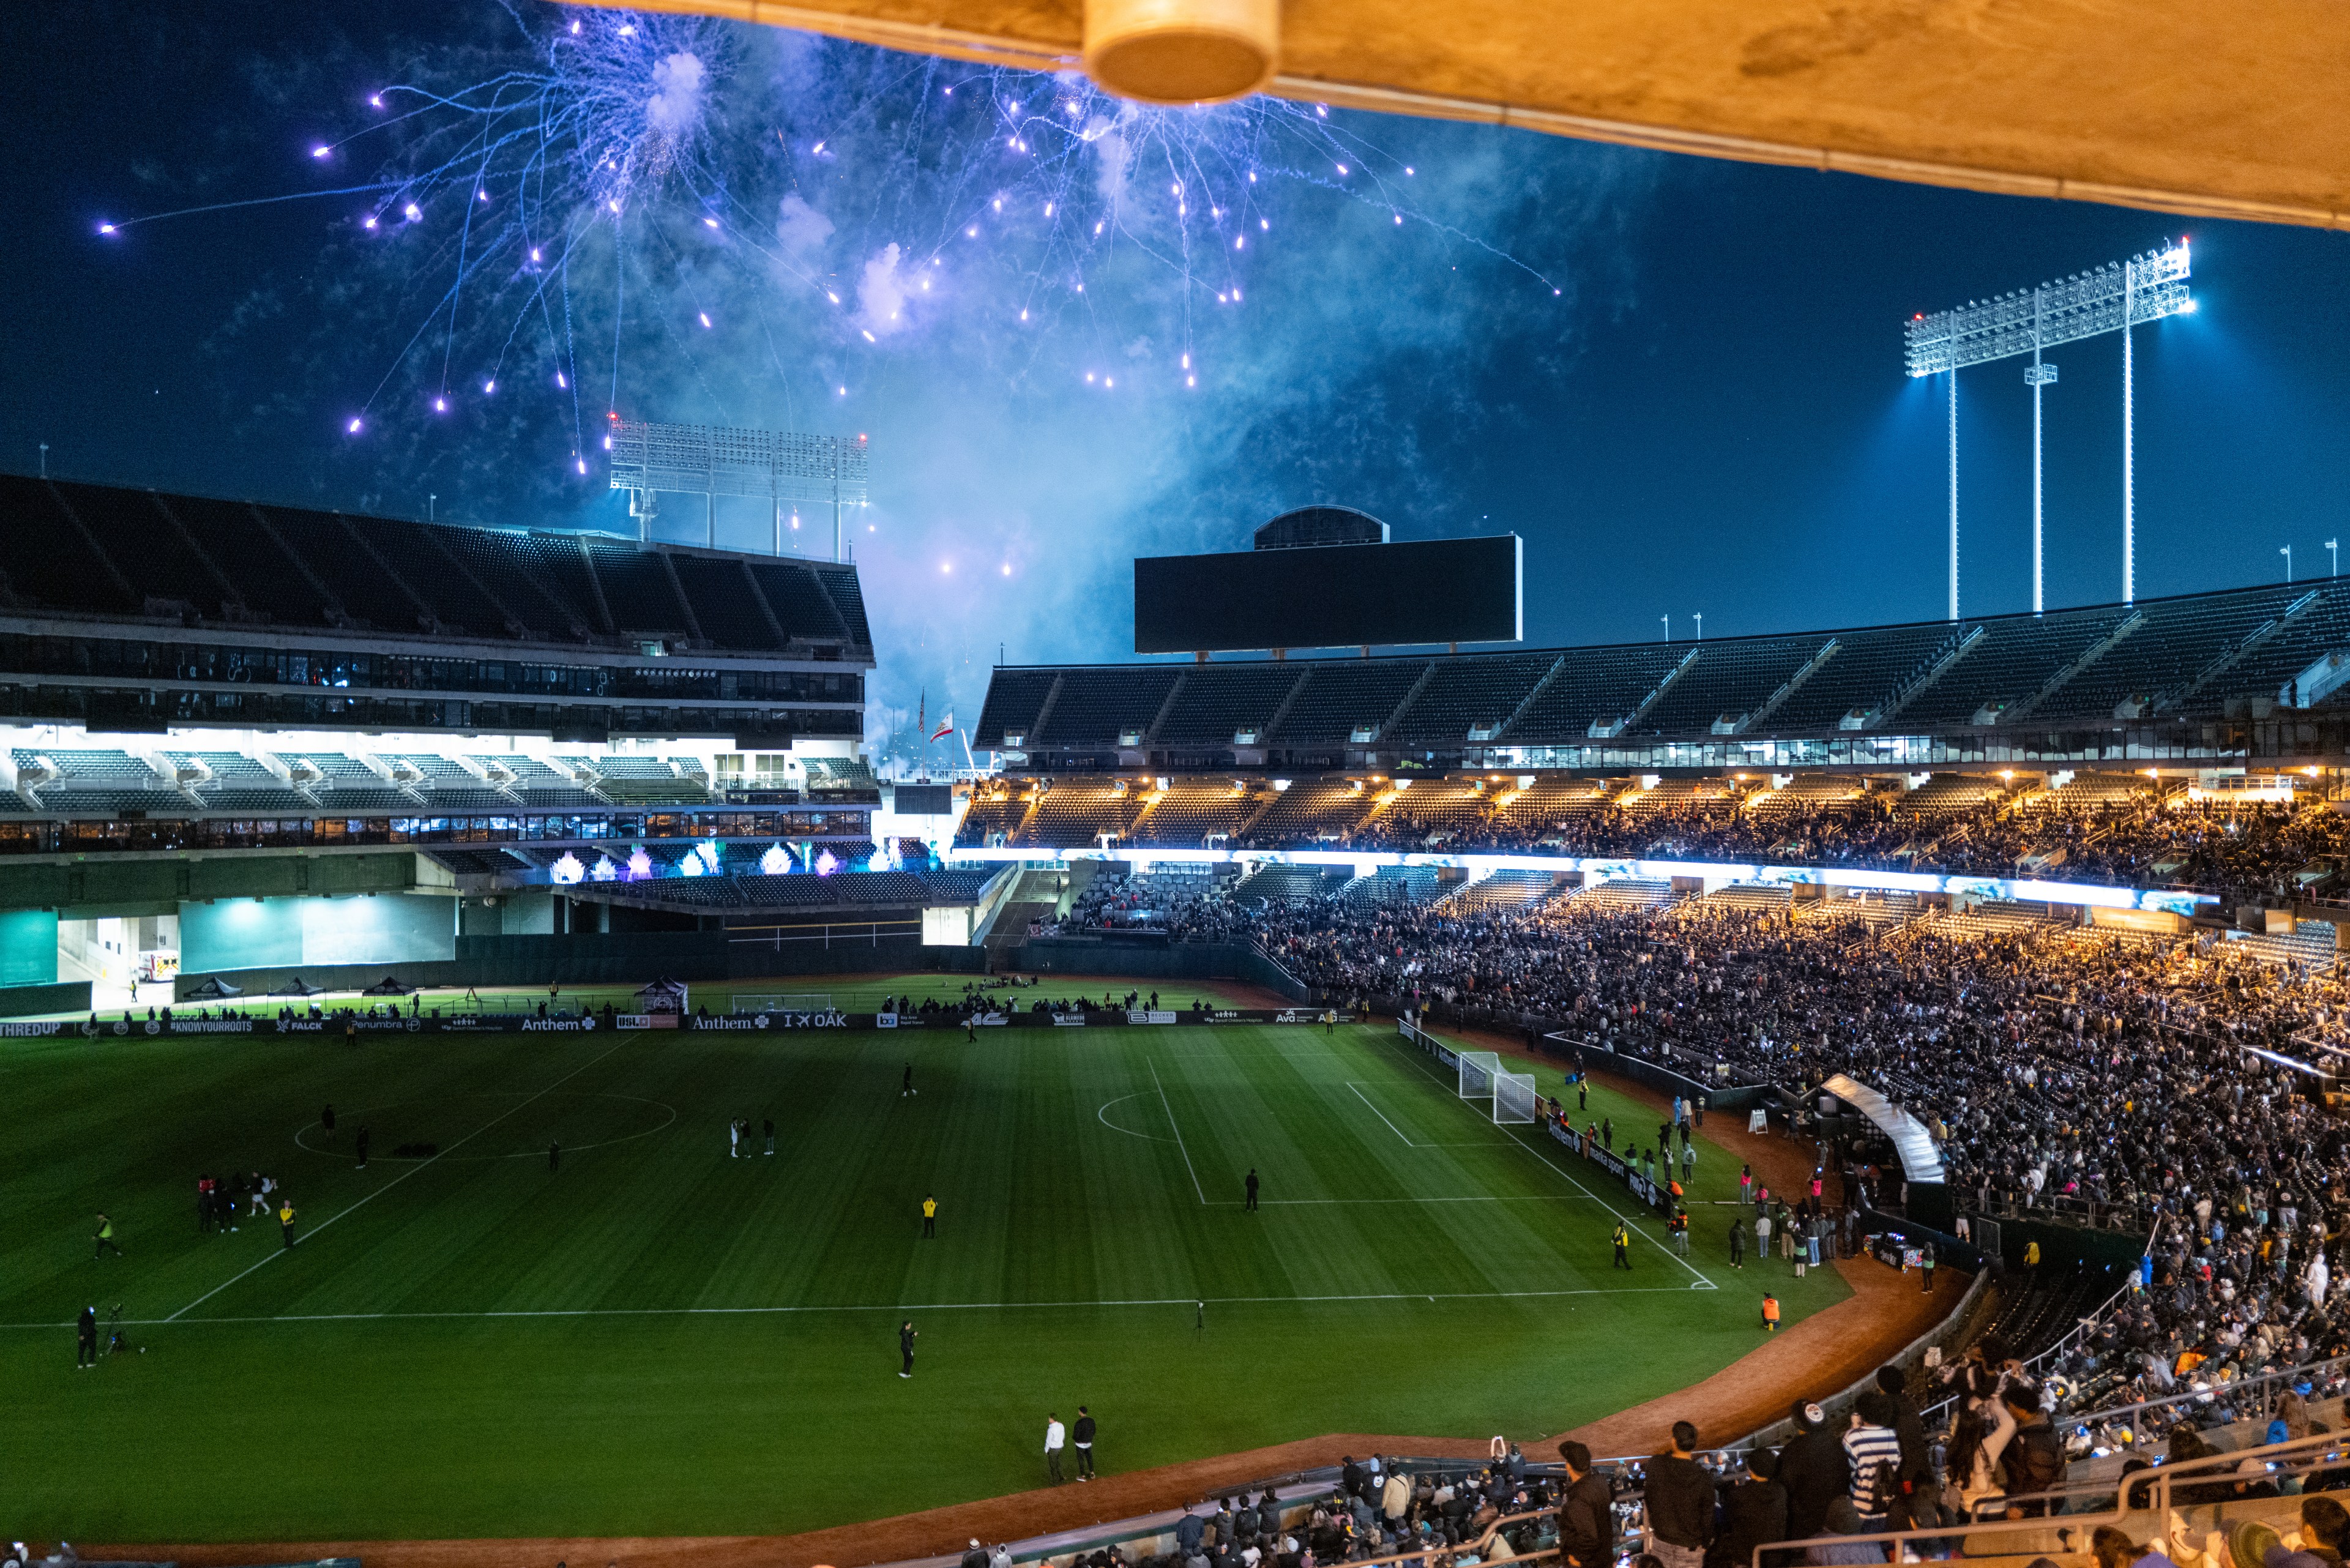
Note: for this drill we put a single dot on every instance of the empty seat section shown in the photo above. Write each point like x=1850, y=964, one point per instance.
x=990, y=813
x=2321, y=628
x=1096, y=706
x=1341, y=697
x=1597, y=685
x=1293, y=882
x=1015, y=698
x=2177, y=642
x=1867, y=670
x=541, y=580
x=1216, y=703
x=720, y=594
x=1309, y=811
x=1474, y=689
x=48, y=561
x=2015, y=659
x=1078, y=811
x=636, y=588
x=1729, y=680
x=414, y=551
x=1188, y=810
x=801, y=605
x=267, y=578
x=144, y=545
x=846, y=595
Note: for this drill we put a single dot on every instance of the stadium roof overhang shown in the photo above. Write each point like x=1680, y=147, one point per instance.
x=1920, y=1159
x=2230, y=112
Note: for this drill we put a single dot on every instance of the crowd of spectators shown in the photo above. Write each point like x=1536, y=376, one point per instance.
x=2242, y=853
x=2103, y=1081
x=1181, y=906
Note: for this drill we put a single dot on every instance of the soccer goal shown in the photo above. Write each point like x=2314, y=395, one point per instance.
x=810, y=1002
x=1513, y=1098
x=1478, y=1070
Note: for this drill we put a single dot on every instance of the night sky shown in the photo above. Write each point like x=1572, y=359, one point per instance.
x=1679, y=380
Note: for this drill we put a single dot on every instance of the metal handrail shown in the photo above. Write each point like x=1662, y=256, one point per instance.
x=2236, y=1389
x=2160, y=1480
x=1932, y=1414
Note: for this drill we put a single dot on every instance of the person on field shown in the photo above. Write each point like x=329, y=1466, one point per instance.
x=1250, y=1184
x=105, y=1239
x=286, y=1221
x=735, y=1138
x=85, y=1339
x=326, y=1120
x=1056, y=1435
x=1083, y=1439
x=907, y=1087
x=929, y=1218
x=768, y=1125
x=1622, y=1241
x=1738, y=1243
x=906, y=1337
x=555, y=1157
x=1769, y=1312
x=362, y=1143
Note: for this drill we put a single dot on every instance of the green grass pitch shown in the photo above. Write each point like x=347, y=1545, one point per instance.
x=659, y=1339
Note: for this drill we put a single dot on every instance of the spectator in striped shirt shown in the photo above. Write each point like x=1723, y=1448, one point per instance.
x=1875, y=1449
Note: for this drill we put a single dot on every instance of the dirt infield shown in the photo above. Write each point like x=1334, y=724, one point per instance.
x=1825, y=1352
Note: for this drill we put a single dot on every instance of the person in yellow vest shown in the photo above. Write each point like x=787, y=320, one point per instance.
x=2032, y=1255
x=1622, y=1240
x=285, y=1219
x=930, y=1217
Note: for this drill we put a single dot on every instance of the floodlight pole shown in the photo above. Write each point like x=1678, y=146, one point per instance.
x=2129, y=457
x=2036, y=376
x=1954, y=492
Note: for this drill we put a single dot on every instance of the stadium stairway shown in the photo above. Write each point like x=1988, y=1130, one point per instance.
x=1037, y=896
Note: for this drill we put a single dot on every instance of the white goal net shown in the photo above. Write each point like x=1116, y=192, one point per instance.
x=758, y=1001
x=1478, y=1070
x=1513, y=1098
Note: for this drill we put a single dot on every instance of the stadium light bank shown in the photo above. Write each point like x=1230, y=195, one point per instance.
x=2111, y=299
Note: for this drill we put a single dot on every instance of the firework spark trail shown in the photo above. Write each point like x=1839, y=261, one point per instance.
x=649, y=144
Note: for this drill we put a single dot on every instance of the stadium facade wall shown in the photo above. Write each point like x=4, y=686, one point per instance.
x=69, y=996
x=82, y=890
x=360, y=929
x=1180, y=960
x=28, y=948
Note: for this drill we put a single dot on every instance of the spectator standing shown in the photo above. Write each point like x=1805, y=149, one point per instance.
x=1680, y=1503
x=1753, y=1513
x=976, y=1556
x=1054, y=1436
x=1842, y=1518
x=1084, y=1439
x=1815, y=1469
x=1586, y=1514
x=1874, y=1448
x=2035, y=1460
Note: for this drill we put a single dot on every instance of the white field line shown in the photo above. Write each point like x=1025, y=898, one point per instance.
x=1178, y=1135
x=894, y=1307
x=278, y=1253
x=1630, y=1223
x=1382, y=1115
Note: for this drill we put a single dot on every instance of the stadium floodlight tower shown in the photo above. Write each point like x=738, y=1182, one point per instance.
x=711, y=461
x=2112, y=298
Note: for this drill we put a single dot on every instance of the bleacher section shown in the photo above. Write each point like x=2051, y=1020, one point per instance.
x=1520, y=890
x=2167, y=660
x=1293, y=882
x=99, y=550
x=1625, y=893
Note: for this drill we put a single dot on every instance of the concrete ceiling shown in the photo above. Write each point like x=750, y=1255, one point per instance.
x=2238, y=110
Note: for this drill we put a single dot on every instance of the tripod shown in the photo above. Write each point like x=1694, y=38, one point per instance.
x=115, y=1342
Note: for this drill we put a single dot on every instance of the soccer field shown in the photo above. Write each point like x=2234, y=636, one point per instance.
x=659, y=1339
